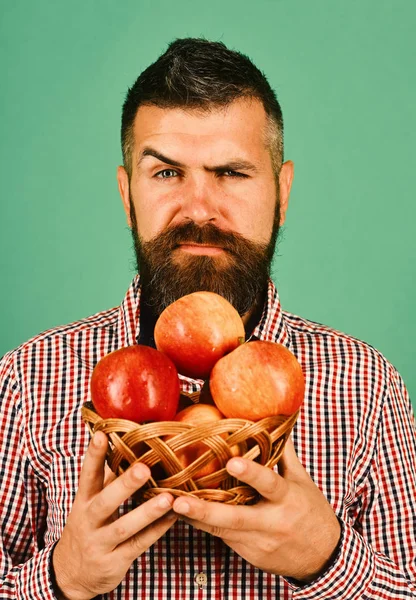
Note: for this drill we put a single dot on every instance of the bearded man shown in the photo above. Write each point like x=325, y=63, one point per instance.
x=205, y=189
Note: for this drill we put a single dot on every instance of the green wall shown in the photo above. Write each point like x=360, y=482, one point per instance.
x=344, y=73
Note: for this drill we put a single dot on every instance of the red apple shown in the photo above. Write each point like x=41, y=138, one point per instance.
x=258, y=379
x=199, y=414
x=197, y=330
x=137, y=383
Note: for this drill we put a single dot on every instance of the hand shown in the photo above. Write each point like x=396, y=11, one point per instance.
x=97, y=548
x=292, y=531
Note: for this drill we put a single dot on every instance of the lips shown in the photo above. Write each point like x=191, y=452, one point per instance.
x=201, y=249
x=208, y=236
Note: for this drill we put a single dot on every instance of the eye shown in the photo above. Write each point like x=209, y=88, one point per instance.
x=230, y=173
x=166, y=174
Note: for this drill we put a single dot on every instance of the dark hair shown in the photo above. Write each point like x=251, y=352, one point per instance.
x=197, y=73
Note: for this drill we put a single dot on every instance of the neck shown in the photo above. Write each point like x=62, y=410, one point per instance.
x=253, y=316
x=147, y=324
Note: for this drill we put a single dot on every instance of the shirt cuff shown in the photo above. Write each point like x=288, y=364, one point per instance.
x=348, y=576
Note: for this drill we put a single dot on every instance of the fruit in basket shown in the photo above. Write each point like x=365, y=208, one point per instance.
x=200, y=414
x=197, y=330
x=258, y=379
x=137, y=383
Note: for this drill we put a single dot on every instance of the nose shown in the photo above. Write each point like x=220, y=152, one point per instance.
x=200, y=201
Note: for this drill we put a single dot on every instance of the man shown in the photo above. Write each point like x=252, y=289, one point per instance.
x=205, y=190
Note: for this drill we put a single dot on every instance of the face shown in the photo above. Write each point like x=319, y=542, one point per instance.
x=202, y=195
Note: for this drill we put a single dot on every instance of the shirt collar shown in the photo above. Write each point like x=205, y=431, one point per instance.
x=271, y=326
x=128, y=322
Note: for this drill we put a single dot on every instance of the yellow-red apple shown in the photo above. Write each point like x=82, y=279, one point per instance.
x=256, y=380
x=197, y=330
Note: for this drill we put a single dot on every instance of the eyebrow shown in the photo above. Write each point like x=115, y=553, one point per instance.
x=233, y=165
x=152, y=152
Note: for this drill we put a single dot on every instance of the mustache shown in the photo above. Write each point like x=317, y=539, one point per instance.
x=209, y=234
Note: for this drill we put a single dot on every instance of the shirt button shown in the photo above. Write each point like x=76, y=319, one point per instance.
x=201, y=579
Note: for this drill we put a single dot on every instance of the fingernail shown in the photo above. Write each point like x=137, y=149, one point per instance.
x=138, y=471
x=96, y=441
x=236, y=467
x=163, y=502
x=183, y=508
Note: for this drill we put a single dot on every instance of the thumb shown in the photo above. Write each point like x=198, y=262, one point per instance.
x=289, y=465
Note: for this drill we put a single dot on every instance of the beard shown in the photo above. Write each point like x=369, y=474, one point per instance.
x=240, y=274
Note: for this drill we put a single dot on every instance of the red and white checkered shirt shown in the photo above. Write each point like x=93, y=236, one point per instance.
x=355, y=436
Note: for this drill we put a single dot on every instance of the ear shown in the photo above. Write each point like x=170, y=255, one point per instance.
x=124, y=189
x=285, y=184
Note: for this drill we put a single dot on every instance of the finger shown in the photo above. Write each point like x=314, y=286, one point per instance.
x=115, y=493
x=267, y=482
x=289, y=465
x=138, y=519
x=109, y=476
x=229, y=536
x=92, y=473
x=219, y=518
x=139, y=543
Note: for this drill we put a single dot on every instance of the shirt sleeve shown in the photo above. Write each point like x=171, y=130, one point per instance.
x=377, y=553
x=24, y=563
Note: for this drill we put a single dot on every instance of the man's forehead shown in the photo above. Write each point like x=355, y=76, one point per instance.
x=234, y=112
x=242, y=122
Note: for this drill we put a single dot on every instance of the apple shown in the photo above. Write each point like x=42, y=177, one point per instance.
x=200, y=414
x=256, y=380
x=137, y=383
x=197, y=330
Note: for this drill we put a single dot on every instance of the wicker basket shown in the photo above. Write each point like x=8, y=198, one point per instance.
x=262, y=441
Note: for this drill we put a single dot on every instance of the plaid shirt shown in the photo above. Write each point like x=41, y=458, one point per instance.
x=355, y=436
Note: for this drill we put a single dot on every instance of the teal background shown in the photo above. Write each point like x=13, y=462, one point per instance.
x=344, y=74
